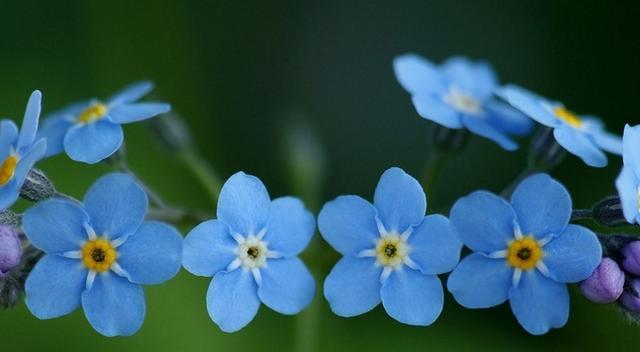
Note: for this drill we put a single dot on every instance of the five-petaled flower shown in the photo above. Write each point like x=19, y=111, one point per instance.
x=251, y=251
x=90, y=132
x=391, y=252
x=583, y=136
x=628, y=182
x=524, y=251
x=19, y=151
x=459, y=94
x=98, y=254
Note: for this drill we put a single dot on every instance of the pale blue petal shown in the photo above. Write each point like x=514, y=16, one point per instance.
x=55, y=226
x=232, y=299
x=480, y=282
x=29, y=158
x=348, y=224
x=93, y=142
x=30, y=123
x=631, y=152
x=400, y=200
x=473, y=77
x=543, y=206
x=9, y=194
x=530, y=104
x=505, y=118
x=432, y=107
x=209, y=248
x=54, y=130
x=579, y=144
x=572, y=256
x=54, y=286
x=131, y=93
x=413, y=298
x=8, y=137
x=435, y=246
x=127, y=113
x=539, y=303
x=287, y=285
x=628, y=186
x=608, y=141
x=244, y=204
x=290, y=227
x=353, y=286
x=482, y=128
x=418, y=75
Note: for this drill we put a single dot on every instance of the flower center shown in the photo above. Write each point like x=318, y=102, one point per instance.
x=8, y=169
x=252, y=252
x=463, y=102
x=524, y=253
x=391, y=250
x=567, y=116
x=98, y=255
x=94, y=112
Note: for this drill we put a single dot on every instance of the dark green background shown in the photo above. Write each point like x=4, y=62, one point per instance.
x=238, y=71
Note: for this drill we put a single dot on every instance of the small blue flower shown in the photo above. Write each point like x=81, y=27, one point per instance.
x=524, y=251
x=583, y=136
x=391, y=252
x=98, y=254
x=90, y=132
x=251, y=252
x=459, y=94
x=19, y=151
x=628, y=183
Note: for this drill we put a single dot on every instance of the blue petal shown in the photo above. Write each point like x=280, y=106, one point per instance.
x=542, y=205
x=232, y=299
x=628, y=186
x=93, y=142
x=28, y=159
x=116, y=205
x=30, y=122
x=413, y=298
x=579, y=144
x=539, y=303
x=287, y=285
x=476, y=78
x=114, y=306
x=348, y=224
x=9, y=194
x=209, y=248
x=417, y=75
x=131, y=93
x=244, y=204
x=572, y=256
x=152, y=255
x=400, y=200
x=353, y=286
x=127, y=113
x=432, y=107
x=480, y=282
x=483, y=221
x=608, y=141
x=631, y=152
x=505, y=118
x=8, y=137
x=54, y=286
x=55, y=226
x=54, y=129
x=434, y=245
x=530, y=104
x=482, y=128
x=290, y=227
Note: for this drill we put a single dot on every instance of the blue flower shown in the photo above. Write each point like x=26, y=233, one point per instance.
x=391, y=252
x=251, y=252
x=98, y=254
x=90, y=132
x=628, y=183
x=459, y=94
x=583, y=136
x=524, y=251
x=19, y=151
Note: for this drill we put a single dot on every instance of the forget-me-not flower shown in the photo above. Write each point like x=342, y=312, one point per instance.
x=90, y=132
x=251, y=252
x=628, y=183
x=391, y=252
x=583, y=136
x=459, y=94
x=98, y=254
x=524, y=251
x=19, y=151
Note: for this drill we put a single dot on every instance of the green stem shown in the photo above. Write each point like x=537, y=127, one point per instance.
x=432, y=170
x=204, y=173
x=307, y=325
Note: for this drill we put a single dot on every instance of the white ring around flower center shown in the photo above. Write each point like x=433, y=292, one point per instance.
x=462, y=102
x=252, y=252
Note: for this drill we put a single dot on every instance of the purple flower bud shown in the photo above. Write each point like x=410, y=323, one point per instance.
x=631, y=297
x=10, y=249
x=606, y=283
x=631, y=253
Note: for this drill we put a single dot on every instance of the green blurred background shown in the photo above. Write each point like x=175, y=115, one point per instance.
x=240, y=72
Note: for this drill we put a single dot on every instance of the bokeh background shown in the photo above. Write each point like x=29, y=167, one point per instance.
x=242, y=73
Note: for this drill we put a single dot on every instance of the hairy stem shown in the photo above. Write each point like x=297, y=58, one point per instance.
x=205, y=174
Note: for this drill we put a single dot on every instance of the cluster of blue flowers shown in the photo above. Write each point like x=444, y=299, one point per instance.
x=98, y=252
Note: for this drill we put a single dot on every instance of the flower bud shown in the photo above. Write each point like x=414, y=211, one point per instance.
x=608, y=212
x=631, y=297
x=631, y=254
x=9, y=218
x=447, y=139
x=606, y=283
x=172, y=132
x=545, y=153
x=10, y=291
x=37, y=187
x=10, y=249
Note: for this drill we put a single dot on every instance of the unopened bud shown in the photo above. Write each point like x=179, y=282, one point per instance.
x=171, y=132
x=545, y=153
x=608, y=212
x=631, y=297
x=10, y=249
x=9, y=218
x=447, y=139
x=606, y=283
x=37, y=187
x=631, y=254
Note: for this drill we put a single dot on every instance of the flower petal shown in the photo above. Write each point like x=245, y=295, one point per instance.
x=290, y=227
x=287, y=285
x=127, y=113
x=608, y=141
x=628, y=186
x=93, y=142
x=114, y=306
x=152, y=255
x=54, y=286
x=413, y=298
x=631, y=152
x=539, y=303
x=29, y=158
x=30, y=121
x=578, y=144
x=55, y=226
x=435, y=246
x=432, y=107
x=530, y=104
x=348, y=224
x=8, y=137
x=244, y=204
x=131, y=93
x=483, y=128
x=54, y=129
x=353, y=286
x=480, y=282
x=400, y=200
x=573, y=255
x=209, y=248
x=474, y=77
x=505, y=118
x=417, y=74
x=232, y=299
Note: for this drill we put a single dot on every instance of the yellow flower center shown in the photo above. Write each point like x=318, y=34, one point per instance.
x=524, y=253
x=8, y=169
x=391, y=250
x=92, y=113
x=567, y=116
x=98, y=255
